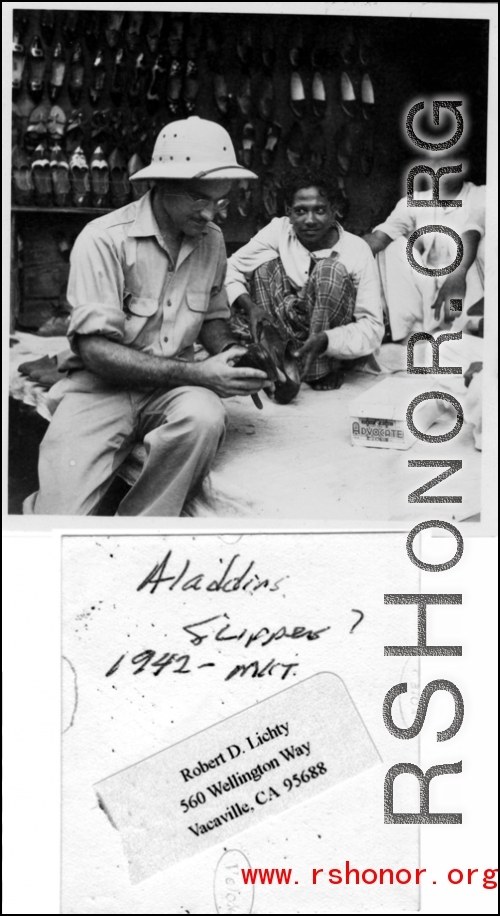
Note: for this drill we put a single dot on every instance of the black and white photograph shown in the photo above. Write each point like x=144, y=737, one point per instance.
x=211, y=291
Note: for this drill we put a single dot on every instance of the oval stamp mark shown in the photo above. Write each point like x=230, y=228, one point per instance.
x=230, y=894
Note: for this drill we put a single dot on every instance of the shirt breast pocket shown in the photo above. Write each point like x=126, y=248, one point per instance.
x=138, y=311
x=197, y=301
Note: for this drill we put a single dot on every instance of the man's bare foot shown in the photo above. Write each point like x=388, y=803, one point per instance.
x=329, y=382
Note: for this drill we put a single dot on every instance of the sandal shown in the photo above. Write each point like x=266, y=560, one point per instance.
x=137, y=84
x=80, y=180
x=36, y=68
x=174, y=89
x=22, y=180
x=59, y=171
x=156, y=91
x=274, y=356
x=191, y=86
x=56, y=123
x=120, y=185
x=40, y=169
x=99, y=178
x=57, y=72
x=36, y=131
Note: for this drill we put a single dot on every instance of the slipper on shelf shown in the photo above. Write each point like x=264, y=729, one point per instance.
x=36, y=131
x=120, y=185
x=40, y=170
x=342, y=203
x=270, y=196
x=22, y=179
x=97, y=78
x=36, y=56
x=365, y=49
x=133, y=30
x=175, y=34
x=174, y=89
x=268, y=47
x=118, y=76
x=221, y=94
x=99, y=178
x=191, y=86
x=59, y=171
x=18, y=62
x=112, y=29
x=76, y=129
x=367, y=97
x=245, y=198
x=101, y=124
x=296, y=52
x=56, y=123
x=247, y=145
x=348, y=99
x=80, y=179
x=266, y=99
x=57, y=72
x=348, y=143
x=319, y=95
x=154, y=30
x=317, y=147
x=139, y=188
x=297, y=95
x=270, y=147
x=295, y=146
x=137, y=85
x=156, y=88
x=347, y=45
x=244, y=97
x=76, y=73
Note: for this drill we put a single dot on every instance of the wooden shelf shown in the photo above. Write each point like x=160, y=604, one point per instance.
x=83, y=211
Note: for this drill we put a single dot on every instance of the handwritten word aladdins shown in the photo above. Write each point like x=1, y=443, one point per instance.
x=247, y=581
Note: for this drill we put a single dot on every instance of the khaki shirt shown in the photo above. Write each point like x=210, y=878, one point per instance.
x=124, y=285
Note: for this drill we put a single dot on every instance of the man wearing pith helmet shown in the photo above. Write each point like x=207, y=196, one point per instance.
x=146, y=282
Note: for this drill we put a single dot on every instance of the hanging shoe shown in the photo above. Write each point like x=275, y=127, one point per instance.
x=18, y=62
x=139, y=188
x=271, y=144
x=76, y=73
x=156, y=89
x=342, y=205
x=244, y=45
x=47, y=25
x=119, y=183
x=266, y=99
x=71, y=24
x=244, y=97
x=296, y=47
x=40, y=170
x=174, y=89
x=347, y=44
x=365, y=49
x=76, y=130
x=56, y=123
x=247, y=145
x=22, y=179
x=295, y=146
x=348, y=143
x=245, y=195
x=317, y=147
x=118, y=77
x=175, y=35
x=191, y=86
x=59, y=173
x=112, y=28
x=270, y=196
x=268, y=48
x=137, y=85
x=297, y=95
x=133, y=30
x=57, y=72
x=80, y=180
x=99, y=178
x=36, y=56
x=367, y=97
x=101, y=124
x=347, y=95
x=319, y=95
x=366, y=153
x=221, y=94
x=97, y=78
x=154, y=30
x=36, y=132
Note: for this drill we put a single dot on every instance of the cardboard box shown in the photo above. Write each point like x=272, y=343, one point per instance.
x=378, y=416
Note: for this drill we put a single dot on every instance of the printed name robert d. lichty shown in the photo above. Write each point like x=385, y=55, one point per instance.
x=234, y=750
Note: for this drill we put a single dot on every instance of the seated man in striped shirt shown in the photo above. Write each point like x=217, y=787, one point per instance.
x=305, y=273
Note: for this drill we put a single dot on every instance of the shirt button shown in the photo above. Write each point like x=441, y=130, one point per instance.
x=165, y=339
x=169, y=302
x=170, y=268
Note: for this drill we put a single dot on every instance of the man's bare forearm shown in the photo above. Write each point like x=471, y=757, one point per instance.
x=130, y=368
x=216, y=335
x=377, y=240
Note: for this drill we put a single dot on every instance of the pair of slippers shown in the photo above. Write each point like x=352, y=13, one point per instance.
x=40, y=179
x=357, y=96
x=42, y=371
x=273, y=354
x=46, y=124
x=299, y=103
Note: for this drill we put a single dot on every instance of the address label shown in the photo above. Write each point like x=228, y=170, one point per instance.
x=206, y=789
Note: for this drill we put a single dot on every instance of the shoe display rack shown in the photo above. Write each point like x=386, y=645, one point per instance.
x=91, y=91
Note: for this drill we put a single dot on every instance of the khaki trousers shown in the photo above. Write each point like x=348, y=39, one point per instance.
x=95, y=427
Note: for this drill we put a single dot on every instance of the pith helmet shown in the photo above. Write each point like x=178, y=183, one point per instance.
x=193, y=148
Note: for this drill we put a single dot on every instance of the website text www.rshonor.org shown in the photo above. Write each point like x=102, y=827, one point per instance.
x=349, y=874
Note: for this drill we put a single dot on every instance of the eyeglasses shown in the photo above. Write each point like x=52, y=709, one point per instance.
x=198, y=203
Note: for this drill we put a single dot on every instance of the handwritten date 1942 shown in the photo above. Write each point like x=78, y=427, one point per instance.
x=180, y=663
